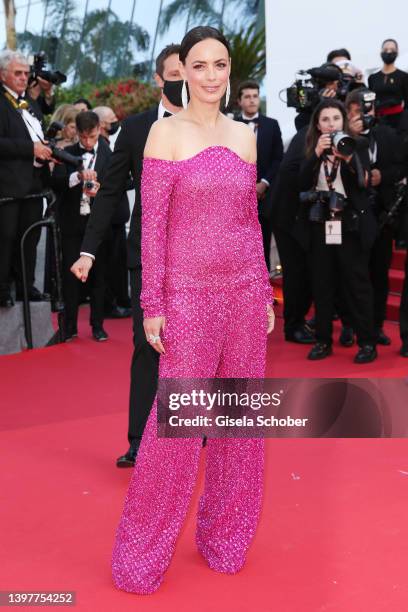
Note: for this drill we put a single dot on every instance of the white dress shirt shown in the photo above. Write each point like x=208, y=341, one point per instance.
x=33, y=125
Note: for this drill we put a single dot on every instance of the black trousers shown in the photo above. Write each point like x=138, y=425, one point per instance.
x=404, y=306
x=144, y=370
x=297, y=282
x=345, y=264
x=117, y=274
x=266, y=239
x=380, y=261
x=15, y=218
x=71, y=246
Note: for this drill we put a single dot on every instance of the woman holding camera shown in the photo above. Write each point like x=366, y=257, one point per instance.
x=340, y=227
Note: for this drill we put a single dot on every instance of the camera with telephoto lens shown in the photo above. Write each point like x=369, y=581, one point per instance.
x=323, y=204
x=37, y=69
x=60, y=154
x=344, y=143
x=306, y=92
x=367, y=104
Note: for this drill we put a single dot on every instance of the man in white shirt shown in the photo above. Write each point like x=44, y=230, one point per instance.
x=23, y=171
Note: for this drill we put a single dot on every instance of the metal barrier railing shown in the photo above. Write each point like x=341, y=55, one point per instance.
x=57, y=300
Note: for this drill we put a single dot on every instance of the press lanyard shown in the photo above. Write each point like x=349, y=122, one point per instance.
x=331, y=177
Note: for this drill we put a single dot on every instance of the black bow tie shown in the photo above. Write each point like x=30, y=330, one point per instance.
x=167, y=114
x=254, y=120
x=91, y=152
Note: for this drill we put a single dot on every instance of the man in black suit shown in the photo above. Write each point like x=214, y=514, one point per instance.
x=128, y=157
x=76, y=190
x=386, y=171
x=22, y=172
x=269, y=154
x=293, y=250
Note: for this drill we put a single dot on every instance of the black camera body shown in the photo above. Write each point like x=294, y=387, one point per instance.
x=60, y=154
x=37, y=69
x=367, y=104
x=306, y=91
x=323, y=204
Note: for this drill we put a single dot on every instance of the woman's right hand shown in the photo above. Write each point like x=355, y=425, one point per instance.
x=153, y=327
x=323, y=144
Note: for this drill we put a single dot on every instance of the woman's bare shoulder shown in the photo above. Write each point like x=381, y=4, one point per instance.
x=244, y=140
x=160, y=140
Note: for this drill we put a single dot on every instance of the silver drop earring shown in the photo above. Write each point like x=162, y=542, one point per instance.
x=184, y=96
x=227, y=93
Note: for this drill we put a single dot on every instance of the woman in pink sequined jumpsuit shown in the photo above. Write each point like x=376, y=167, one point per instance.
x=206, y=292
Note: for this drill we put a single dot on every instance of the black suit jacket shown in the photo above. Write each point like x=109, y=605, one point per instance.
x=285, y=194
x=127, y=157
x=16, y=151
x=389, y=162
x=69, y=198
x=269, y=148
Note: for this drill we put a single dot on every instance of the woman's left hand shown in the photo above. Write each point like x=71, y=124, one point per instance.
x=271, y=318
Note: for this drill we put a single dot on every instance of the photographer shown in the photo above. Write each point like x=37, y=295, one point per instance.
x=41, y=93
x=385, y=171
x=324, y=83
x=22, y=172
x=340, y=226
x=76, y=190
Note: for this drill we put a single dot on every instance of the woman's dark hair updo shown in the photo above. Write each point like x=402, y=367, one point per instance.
x=196, y=35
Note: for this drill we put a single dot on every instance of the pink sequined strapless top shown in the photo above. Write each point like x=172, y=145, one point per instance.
x=200, y=226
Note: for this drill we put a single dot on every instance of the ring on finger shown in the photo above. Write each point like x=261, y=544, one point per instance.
x=154, y=339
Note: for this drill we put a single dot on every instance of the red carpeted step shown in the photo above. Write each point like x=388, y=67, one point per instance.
x=396, y=280
x=398, y=260
x=393, y=304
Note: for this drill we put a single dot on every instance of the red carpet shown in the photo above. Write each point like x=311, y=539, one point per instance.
x=333, y=535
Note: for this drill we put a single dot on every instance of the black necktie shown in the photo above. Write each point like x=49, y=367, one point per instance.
x=254, y=120
x=167, y=114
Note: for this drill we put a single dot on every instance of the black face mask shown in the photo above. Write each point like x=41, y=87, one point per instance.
x=389, y=57
x=172, y=91
x=113, y=128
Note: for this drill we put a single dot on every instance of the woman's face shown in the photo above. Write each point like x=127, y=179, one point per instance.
x=69, y=132
x=389, y=47
x=207, y=69
x=330, y=120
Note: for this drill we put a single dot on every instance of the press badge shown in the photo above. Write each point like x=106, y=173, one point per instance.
x=333, y=231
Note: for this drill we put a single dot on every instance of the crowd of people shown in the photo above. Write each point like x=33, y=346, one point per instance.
x=339, y=204
x=28, y=168
x=334, y=207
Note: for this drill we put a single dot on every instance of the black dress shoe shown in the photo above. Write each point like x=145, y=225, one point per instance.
x=99, y=334
x=301, y=336
x=383, y=339
x=347, y=336
x=118, y=312
x=33, y=295
x=366, y=354
x=404, y=349
x=6, y=301
x=70, y=334
x=129, y=458
x=310, y=324
x=320, y=351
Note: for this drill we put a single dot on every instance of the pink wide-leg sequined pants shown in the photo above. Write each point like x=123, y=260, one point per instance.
x=209, y=333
